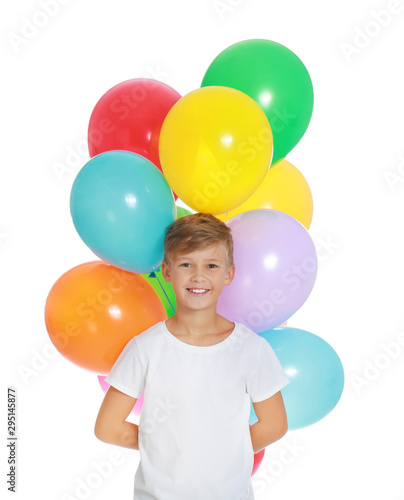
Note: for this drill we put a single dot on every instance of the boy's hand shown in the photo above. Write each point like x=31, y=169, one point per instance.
x=111, y=426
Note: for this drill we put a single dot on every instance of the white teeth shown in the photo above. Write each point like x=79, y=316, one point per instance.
x=197, y=290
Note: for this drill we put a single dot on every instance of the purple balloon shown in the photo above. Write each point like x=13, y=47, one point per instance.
x=276, y=267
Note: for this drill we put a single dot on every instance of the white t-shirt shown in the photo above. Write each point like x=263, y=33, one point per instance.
x=194, y=438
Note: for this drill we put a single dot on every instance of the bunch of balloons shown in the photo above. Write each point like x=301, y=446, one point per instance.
x=221, y=149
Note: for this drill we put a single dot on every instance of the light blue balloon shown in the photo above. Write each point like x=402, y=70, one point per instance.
x=121, y=205
x=315, y=372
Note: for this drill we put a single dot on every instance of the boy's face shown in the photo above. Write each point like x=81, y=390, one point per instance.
x=198, y=277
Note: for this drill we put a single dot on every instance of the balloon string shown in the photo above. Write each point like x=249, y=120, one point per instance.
x=225, y=219
x=154, y=275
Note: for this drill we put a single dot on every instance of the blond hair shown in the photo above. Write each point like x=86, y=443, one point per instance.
x=195, y=232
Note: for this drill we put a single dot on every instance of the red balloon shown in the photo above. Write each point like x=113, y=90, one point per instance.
x=129, y=117
x=258, y=458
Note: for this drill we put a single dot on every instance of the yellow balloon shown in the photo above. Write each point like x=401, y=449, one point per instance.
x=285, y=189
x=215, y=148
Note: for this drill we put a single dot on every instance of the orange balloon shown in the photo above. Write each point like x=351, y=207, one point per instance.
x=94, y=309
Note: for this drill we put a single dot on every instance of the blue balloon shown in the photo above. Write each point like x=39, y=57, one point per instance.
x=315, y=372
x=121, y=206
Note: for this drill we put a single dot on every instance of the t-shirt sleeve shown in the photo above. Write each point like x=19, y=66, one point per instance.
x=129, y=371
x=268, y=376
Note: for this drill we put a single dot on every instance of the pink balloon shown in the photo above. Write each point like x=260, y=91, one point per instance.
x=276, y=267
x=139, y=403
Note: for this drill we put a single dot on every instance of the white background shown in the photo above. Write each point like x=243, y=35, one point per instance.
x=351, y=155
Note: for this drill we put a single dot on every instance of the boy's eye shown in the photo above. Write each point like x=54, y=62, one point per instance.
x=186, y=264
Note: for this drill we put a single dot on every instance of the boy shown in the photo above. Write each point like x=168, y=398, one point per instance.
x=199, y=372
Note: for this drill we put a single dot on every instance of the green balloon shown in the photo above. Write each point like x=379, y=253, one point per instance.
x=181, y=212
x=168, y=298
x=276, y=79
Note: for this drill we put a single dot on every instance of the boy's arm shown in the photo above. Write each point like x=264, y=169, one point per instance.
x=272, y=422
x=111, y=426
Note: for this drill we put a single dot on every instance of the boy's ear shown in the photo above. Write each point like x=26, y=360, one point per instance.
x=166, y=271
x=229, y=275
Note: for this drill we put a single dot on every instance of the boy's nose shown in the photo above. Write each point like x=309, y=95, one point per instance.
x=197, y=275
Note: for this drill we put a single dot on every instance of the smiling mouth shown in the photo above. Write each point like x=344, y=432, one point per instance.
x=198, y=291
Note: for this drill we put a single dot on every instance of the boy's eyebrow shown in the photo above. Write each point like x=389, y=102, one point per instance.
x=185, y=257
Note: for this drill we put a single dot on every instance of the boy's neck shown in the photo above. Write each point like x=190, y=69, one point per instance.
x=191, y=322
